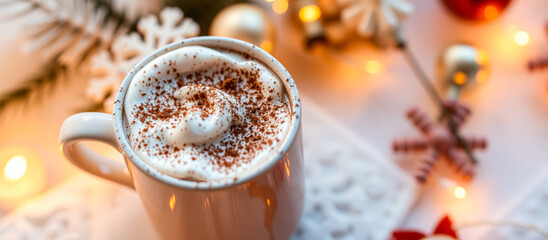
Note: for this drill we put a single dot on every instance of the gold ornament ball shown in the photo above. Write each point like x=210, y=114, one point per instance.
x=246, y=22
x=463, y=66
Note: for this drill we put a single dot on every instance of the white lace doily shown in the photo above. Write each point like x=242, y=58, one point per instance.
x=83, y=208
x=351, y=193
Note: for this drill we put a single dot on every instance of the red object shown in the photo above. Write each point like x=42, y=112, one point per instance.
x=477, y=10
x=408, y=235
x=445, y=227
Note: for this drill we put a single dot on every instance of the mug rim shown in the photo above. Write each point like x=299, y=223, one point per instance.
x=213, y=42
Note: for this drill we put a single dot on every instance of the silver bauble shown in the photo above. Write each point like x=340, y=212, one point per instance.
x=462, y=66
x=246, y=22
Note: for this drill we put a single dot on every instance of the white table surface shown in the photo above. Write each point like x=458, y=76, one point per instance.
x=510, y=110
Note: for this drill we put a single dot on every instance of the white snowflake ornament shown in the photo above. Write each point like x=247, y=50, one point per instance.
x=173, y=28
x=377, y=19
x=110, y=67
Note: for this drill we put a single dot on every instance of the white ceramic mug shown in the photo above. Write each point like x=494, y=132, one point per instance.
x=264, y=204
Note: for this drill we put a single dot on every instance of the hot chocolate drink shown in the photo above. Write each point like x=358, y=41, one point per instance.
x=206, y=114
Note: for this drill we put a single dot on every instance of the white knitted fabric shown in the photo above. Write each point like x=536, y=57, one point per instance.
x=351, y=191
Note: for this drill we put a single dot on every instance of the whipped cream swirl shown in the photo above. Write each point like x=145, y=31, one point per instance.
x=205, y=114
x=212, y=113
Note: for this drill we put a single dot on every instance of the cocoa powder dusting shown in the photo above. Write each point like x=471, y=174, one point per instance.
x=241, y=143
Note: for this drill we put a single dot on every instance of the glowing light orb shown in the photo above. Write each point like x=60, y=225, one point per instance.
x=310, y=13
x=459, y=192
x=490, y=12
x=15, y=168
x=280, y=6
x=266, y=45
x=521, y=38
x=459, y=78
x=481, y=76
x=373, y=66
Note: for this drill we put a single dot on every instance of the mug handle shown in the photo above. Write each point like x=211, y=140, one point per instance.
x=97, y=127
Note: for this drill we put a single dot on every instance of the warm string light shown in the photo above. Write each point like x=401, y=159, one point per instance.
x=457, y=191
x=373, y=66
x=521, y=38
x=15, y=168
x=309, y=13
x=22, y=174
x=490, y=12
x=280, y=6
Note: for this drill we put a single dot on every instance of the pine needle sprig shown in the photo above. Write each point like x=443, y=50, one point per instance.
x=120, y=17
x=33, y=90
x=67, y=33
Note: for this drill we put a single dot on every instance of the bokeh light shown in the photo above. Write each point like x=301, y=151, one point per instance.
x=310, y=13
x=490, y=12
x=521, y=38
x=267, y=46
x=481, y=76
x=373, y=66
x=15, y=168
x=459, y=192
x=459, y=78
x=280, y=6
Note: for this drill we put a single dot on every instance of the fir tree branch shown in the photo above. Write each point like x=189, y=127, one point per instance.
x=36, y=87
x=115, y=15
x=68, y=54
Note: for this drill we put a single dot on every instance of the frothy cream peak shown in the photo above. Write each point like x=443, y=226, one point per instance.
x=205, y=114
x=211, y=113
